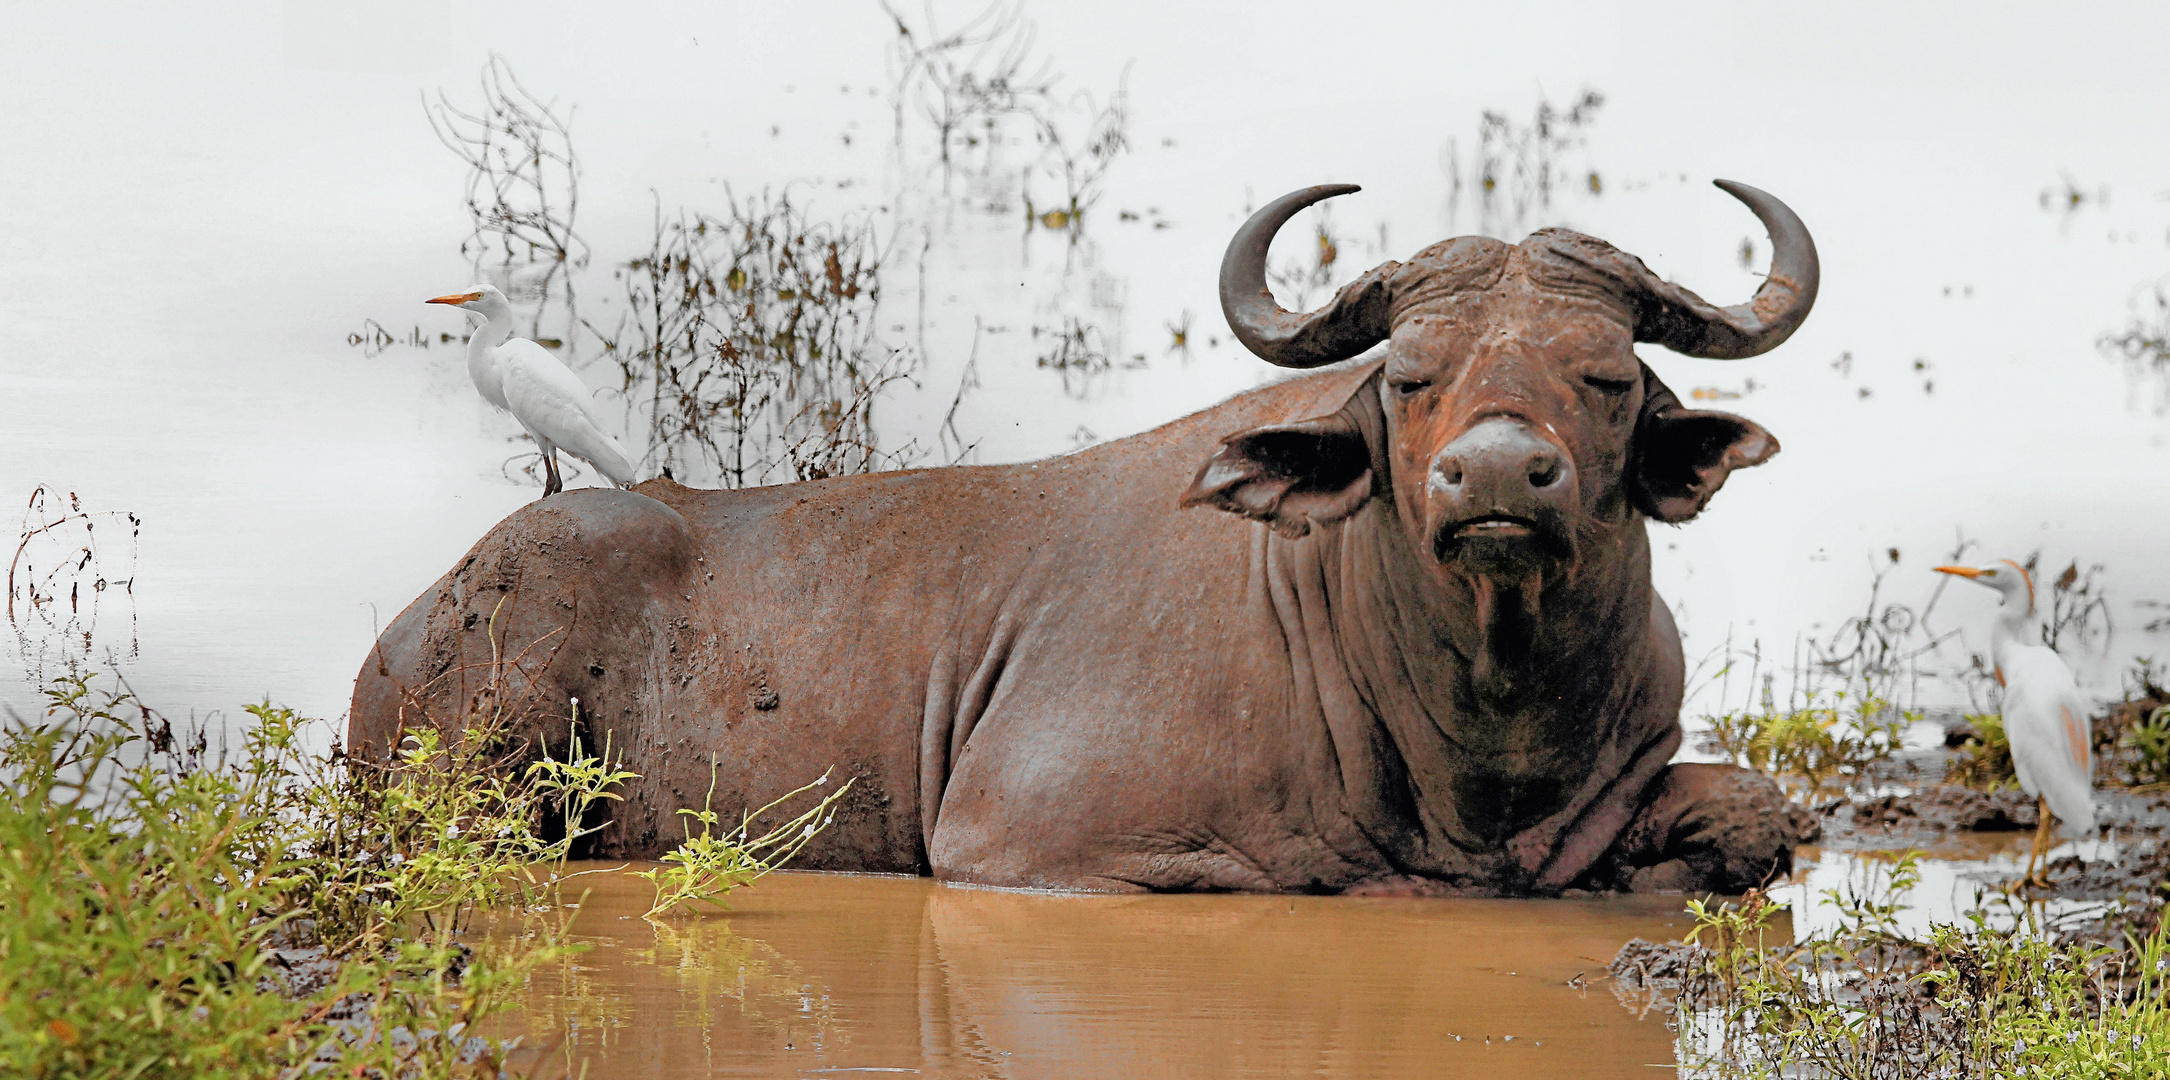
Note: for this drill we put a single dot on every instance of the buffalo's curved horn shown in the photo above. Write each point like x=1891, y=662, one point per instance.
x=1685, y=324
x=1355, y=320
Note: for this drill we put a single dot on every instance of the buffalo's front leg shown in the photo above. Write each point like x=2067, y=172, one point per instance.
x=1707, y=828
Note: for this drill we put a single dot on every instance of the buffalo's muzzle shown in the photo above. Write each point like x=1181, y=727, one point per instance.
x=1500, y=492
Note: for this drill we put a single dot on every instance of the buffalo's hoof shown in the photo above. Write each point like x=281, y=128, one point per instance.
x=1709, y=828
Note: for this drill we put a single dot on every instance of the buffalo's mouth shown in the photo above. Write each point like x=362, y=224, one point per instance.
x=1493, y=537
x=1494, y=526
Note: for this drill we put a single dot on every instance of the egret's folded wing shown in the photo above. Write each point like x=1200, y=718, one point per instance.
x=2045, y=718
x=554, y=403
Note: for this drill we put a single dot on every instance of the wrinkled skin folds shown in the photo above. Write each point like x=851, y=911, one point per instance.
x=1397, y=635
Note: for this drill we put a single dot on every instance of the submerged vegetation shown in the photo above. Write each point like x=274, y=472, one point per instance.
x=175, y=904
x=983, y=92
x=746, y=352
x=523, y=186
x=1851, y=697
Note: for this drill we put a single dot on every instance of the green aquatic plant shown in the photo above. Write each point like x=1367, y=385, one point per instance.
x=708, y=865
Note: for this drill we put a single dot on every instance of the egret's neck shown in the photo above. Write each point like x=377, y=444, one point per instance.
x=496, y=327
x=2014, y=626
x=481, y=363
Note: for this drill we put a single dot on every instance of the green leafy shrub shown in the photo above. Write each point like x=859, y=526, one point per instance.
x=2148, y=749
x=1816, y=745
x=138, y=905
x=171, y=910
x=1984, y=760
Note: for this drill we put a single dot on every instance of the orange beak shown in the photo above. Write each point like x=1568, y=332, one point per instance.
x=1960, y=571
x=455, y=298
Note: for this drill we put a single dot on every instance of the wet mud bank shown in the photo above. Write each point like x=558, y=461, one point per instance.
x=1926, y=803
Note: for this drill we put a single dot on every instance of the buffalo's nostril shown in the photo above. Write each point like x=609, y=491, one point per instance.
x=1544, y=471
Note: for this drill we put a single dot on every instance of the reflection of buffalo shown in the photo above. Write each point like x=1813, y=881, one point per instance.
x=1421, y=652
x=867, y=974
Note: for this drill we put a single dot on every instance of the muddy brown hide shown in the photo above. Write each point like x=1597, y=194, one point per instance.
x=1419, y=653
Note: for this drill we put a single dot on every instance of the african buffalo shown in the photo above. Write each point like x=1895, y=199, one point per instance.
x=1419, y=653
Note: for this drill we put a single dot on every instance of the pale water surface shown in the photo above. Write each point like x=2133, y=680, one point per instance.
x=199, y=206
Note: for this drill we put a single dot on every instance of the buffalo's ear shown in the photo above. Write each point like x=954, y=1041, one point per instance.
x=1290, y=476
x=1680, y=457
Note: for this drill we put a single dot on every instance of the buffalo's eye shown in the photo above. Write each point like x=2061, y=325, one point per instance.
x=1608, y=386
x=1406, y=387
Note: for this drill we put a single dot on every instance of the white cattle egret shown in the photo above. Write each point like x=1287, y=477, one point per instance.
x=2045, y=719
x=544, y=395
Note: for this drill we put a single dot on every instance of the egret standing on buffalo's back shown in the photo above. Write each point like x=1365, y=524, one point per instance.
x=2045, y=718
x=544, y=395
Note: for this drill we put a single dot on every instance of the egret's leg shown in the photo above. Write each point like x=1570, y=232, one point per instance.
x=552, y=482
x=2042, y=844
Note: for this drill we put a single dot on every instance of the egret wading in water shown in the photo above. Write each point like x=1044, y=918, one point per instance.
x=544, y=395
x=2045, y=718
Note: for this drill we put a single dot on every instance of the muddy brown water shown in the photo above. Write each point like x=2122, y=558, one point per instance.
x=831, y=975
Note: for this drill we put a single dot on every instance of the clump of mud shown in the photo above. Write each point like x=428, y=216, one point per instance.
x=1923, y=816
x=1657, y=964
x=1655, y=976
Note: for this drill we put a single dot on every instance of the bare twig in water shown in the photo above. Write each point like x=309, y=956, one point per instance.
x=2144, y=344
x=2079, y=612
x=1078, y=166
x=969, y=80
x=1518, y=167
x=955, y=450
x=749, y=350
x=59, y=575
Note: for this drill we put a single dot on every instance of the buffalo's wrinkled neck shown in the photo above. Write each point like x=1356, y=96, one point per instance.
x=1497, y=696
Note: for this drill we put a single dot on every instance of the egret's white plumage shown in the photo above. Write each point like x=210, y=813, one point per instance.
x=522, y=378
x=2045, y=718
